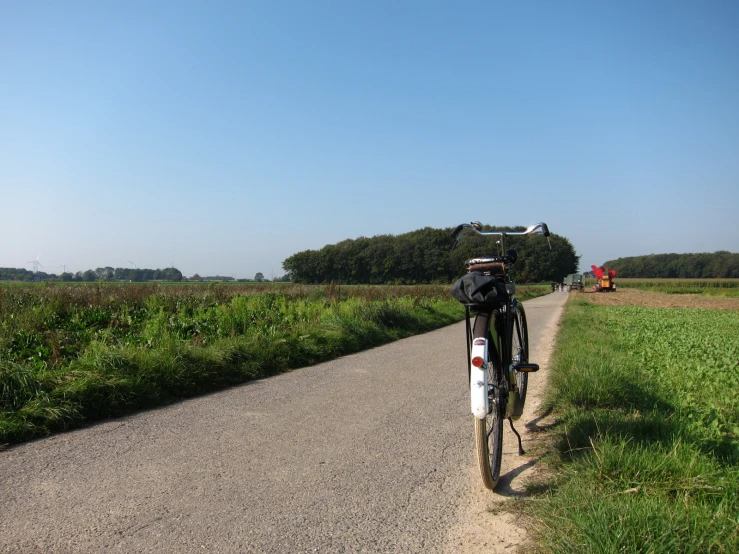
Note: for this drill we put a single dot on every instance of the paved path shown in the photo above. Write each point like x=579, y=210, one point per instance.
x=369, y=453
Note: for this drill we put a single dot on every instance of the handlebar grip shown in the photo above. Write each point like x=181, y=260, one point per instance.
x=457, y=230
x=545, y=230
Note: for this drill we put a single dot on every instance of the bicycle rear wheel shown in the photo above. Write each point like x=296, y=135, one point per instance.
x=489, y=431
x=520, y=352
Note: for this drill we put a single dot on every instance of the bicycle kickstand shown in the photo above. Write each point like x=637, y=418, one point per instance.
x=521, y=451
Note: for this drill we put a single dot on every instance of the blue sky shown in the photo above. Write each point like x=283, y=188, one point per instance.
x=222, y=137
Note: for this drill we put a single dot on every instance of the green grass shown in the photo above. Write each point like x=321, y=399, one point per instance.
x=705, y=287
x=648, y=432
x=72, y=354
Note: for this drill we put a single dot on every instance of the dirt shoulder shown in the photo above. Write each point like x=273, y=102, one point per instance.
x=636, y=297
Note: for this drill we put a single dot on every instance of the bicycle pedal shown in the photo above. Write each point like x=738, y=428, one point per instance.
x=528, y=368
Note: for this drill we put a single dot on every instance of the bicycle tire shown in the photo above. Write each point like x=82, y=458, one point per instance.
x=520, y=351
x=489, y=431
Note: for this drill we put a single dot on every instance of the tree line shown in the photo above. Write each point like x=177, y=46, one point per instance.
x=425, y=256
x=100, y=274
x=721, y=264
x=258, y=278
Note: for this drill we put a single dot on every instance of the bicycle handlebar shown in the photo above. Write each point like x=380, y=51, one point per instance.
x=476, y=226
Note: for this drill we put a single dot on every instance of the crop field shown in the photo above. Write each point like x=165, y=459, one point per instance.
x=647, y=454
x=709, y=287
x=650, y=299
x=71, y=354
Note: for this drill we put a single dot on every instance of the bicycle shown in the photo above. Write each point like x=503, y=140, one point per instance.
x=497, y=347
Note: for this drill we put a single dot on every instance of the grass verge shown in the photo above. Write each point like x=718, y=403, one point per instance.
x=647, y=431
x=70, y=355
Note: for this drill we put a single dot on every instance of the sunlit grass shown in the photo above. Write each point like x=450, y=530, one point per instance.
x=71, y=354
x=706, y=287
x=648, y=440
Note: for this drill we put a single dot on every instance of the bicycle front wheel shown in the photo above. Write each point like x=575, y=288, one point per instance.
x=489, y=431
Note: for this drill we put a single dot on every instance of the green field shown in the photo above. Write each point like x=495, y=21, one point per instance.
x=648, y=433
x=71, y=354
x=709, y=287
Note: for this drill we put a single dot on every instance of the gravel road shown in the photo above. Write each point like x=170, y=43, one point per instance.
x=372, y=452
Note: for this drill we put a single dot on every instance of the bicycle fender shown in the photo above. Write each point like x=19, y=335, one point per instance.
x=479, y=400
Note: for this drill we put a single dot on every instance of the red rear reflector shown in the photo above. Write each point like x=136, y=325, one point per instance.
x=477, y=361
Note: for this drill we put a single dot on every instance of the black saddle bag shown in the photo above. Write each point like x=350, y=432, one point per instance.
x=481, y=292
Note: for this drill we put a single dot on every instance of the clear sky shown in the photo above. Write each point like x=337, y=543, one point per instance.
x=223, y=136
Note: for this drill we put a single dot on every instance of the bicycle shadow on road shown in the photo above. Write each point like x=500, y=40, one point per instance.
x=533, y=425
x=505, y=483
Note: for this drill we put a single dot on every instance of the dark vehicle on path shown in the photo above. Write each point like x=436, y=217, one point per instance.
x=573, y=281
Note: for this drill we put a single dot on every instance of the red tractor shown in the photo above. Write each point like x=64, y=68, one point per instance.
x=605, y=279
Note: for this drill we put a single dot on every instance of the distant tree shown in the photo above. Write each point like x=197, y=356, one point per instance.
x=13, y=274
x=196, y=277
x=720, y=264
x=259, y=277
x=171, y=274
x=100, y=273
x=105, y=273
x=425, y=256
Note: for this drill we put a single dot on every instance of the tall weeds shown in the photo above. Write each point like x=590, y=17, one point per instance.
x=74, y=354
